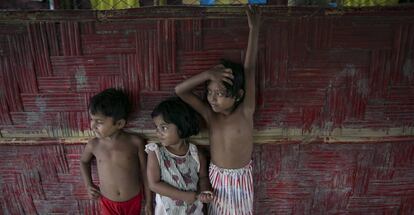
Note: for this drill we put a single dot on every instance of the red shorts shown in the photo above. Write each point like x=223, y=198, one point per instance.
x=130, y=207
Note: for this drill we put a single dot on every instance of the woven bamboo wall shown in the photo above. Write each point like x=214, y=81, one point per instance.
x=335, y=100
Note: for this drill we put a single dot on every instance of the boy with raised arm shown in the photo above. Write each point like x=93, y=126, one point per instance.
x=229, y=117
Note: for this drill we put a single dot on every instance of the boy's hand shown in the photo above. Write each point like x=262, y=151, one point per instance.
x=148, y=209
x=254, y=16
x=220, y=73
x=205, y=196
x=94, y=192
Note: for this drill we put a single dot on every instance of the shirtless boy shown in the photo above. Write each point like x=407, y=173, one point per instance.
x=229, y=117
x=120, y=157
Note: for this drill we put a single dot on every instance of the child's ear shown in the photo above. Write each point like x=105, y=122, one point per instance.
x=240, y=95
x=121, y=123
x=179, y=133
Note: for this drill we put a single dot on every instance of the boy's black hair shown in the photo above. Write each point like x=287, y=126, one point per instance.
x=111, y=103
x=174, y=110
x=238, y=81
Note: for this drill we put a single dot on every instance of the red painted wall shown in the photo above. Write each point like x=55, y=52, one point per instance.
x=335, y=100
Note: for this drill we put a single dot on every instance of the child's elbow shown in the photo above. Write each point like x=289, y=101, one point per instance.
x=177, y=90
x=152, y=186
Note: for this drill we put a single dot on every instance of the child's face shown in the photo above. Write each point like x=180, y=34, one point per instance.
x=167, y=133
x=218, y=99
x=103, y=126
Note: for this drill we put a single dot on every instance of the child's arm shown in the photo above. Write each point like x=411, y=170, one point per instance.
x=85, y=167
x=254, y=20
x=204, y=182
x=185, y=88
x=143, y=167
x=162, y=188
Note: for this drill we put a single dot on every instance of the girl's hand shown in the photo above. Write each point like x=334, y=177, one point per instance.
x=191, y=197
x=94, y=192
x=220, y=73
x=205, y=196
x=253, y=16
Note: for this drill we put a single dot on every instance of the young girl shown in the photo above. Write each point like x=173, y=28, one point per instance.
x=176, y=170
x=229, y=117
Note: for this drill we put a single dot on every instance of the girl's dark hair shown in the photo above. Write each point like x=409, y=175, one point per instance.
x=111, y=103
x=174, y=110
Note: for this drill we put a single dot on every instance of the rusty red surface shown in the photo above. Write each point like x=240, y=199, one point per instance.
x=330, y=76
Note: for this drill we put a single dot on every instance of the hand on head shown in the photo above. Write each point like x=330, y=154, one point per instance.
x=220, y=73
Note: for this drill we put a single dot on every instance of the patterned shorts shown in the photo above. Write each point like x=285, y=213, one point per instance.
x=233, y=190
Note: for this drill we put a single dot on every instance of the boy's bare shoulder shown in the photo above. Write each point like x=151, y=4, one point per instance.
x=93, y=142
x=91, y=145
x=136, y=138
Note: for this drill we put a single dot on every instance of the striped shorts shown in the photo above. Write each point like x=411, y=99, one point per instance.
x=233, y=190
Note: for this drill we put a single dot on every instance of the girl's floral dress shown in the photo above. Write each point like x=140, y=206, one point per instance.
x=180, y=172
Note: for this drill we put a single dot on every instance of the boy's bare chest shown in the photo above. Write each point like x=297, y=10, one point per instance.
x=231, y=123
x=231, y=130
x=122, y=155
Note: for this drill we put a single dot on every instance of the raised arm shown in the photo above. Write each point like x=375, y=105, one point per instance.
x=162, y=188
x=254, y=20
x=184, y=90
